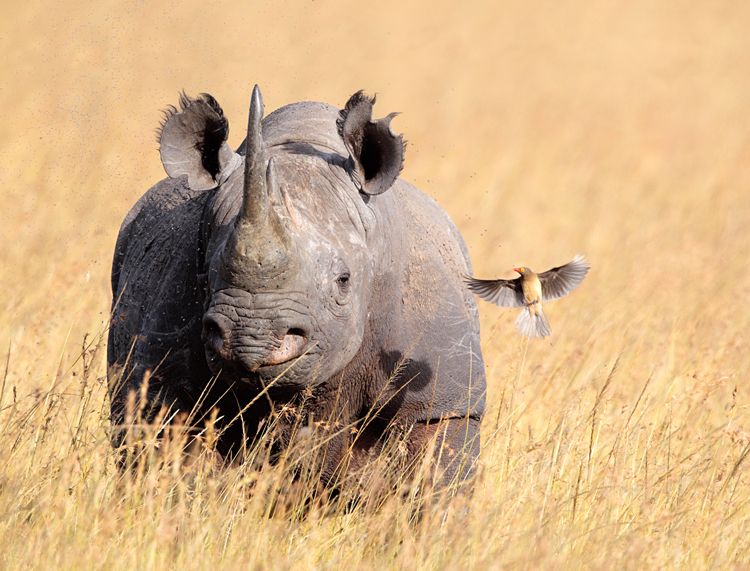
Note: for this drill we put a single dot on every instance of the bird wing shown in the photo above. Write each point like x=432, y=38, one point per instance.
x=560, y=281
x=505, y=293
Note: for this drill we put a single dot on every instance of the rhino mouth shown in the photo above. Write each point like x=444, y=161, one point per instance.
x=293, y=345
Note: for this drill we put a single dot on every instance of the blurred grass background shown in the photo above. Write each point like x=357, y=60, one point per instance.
x=615, y=129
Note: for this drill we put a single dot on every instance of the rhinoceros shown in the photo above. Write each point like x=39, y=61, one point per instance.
x=301, y=268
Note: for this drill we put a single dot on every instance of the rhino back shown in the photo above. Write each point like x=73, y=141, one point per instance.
x=305, y=122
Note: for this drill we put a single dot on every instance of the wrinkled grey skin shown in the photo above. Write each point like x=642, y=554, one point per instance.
x=301, y=255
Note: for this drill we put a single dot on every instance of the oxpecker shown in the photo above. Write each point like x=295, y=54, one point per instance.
x=529, y=290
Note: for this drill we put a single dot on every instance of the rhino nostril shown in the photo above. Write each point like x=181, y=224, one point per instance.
x=296, y=331
x=214, y=335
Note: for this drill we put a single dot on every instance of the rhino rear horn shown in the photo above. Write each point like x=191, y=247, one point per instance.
x=193, y=142
x=376, y=152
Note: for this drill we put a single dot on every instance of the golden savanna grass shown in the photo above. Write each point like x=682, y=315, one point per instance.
x=617, y=129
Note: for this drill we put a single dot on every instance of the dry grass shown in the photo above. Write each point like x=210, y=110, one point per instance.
x=616, y=129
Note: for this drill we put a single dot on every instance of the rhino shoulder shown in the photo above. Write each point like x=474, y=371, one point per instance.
x=434, y=343
x=156, y=272
x=163, y=204
x=430, y=227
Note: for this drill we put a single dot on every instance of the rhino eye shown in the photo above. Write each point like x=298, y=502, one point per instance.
x=343, y=280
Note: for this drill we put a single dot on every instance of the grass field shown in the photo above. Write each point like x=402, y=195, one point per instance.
x=617, y=129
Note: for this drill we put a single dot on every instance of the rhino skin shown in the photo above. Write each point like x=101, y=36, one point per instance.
x=300, y=262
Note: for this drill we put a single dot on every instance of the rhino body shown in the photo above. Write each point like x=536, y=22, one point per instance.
x=301, y=265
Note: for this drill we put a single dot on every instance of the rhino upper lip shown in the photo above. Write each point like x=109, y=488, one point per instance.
x=293, y=345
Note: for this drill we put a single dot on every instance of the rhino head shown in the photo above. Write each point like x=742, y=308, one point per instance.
x=291, y=251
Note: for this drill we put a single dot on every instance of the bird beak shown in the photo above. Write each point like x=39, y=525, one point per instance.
x=517, y=270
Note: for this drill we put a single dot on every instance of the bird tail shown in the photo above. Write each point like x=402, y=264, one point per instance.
x=532, y=325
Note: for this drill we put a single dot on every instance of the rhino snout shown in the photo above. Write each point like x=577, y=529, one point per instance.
x=252, y=348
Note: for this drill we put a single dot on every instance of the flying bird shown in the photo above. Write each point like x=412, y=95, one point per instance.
x=529, y=290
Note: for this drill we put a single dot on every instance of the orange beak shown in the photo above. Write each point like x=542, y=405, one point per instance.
x=518, y=270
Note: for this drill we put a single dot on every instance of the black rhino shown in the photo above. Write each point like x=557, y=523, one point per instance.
x=300, y=265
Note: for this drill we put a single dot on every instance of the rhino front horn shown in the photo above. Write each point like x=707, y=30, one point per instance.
x=259, y=247
x=255, y=193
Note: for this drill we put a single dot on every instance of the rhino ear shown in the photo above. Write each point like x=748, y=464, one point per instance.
x=376, y=152
x=193, y=142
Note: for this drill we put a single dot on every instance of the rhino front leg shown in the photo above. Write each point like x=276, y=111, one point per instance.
x=143, y=405
x=452, y=444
